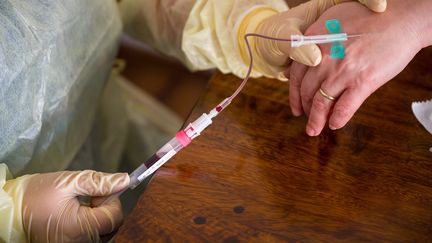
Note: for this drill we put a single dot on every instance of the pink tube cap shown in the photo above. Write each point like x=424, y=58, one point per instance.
x=183, y=138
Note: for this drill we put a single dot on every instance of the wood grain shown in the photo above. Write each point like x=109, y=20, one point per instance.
x=254, y=176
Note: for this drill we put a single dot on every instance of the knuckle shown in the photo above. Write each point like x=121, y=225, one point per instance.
x=362, y=78
x=363, y=83
x=306, y=99
x=349, y=66
x=341, y=113
x=319, y=104
x=313, y=29
x=294, y=80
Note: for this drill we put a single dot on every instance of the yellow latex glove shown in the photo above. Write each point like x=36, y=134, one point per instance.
x=272, y=57
x=47, y=209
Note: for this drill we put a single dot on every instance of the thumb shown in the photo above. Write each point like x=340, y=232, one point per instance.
x=375, y=5
x=309, y=55
x=275, y=53
x=97, y=184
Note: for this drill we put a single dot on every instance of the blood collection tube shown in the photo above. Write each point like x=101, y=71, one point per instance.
x=165, y=153
x=177, y=143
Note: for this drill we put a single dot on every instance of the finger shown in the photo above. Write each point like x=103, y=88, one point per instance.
x=103, y=219
x=321, y=107
x=309, y=55
x=310, y=11
x=288, y=71
x=97, y=201
x=346, y=106
x=297, y=72
x=309, y=86
x=93, y=183
x=375, y=5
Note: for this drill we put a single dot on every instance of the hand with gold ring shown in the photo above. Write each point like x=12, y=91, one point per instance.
x=327, y=96
x=335, y=89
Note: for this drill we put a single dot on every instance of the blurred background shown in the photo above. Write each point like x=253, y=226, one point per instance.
x=166, y=79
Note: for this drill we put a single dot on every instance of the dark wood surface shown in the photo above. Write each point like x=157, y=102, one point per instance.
x=254, y=176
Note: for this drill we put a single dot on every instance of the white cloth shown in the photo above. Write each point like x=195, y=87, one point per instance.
x=423, y=113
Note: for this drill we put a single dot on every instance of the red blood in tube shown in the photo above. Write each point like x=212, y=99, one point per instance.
x=152, y=160
x=218, y=109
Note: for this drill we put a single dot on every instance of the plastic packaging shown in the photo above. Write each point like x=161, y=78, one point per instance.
x=423, y=113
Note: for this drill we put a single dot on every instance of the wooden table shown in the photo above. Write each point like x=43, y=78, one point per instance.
x=254, y=176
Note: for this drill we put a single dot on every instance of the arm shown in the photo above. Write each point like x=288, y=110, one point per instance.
x=200, y=33
x=206, y=34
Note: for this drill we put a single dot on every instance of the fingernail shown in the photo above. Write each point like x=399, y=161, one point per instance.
x=296, y=112
x=317, y=56
x=381, y=6
x=310, y=131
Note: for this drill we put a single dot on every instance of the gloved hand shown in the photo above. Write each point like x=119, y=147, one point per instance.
x=49, y=209
x=272, y=57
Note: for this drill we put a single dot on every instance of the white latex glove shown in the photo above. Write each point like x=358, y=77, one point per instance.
x=49, y=210
x=273, y=57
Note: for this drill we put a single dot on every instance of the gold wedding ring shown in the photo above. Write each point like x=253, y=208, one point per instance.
x=325, y=95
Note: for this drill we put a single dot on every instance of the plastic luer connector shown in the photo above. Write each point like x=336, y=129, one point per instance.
x=300, y=40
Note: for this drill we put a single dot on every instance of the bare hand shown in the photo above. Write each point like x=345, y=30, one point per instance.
x=390, y=40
